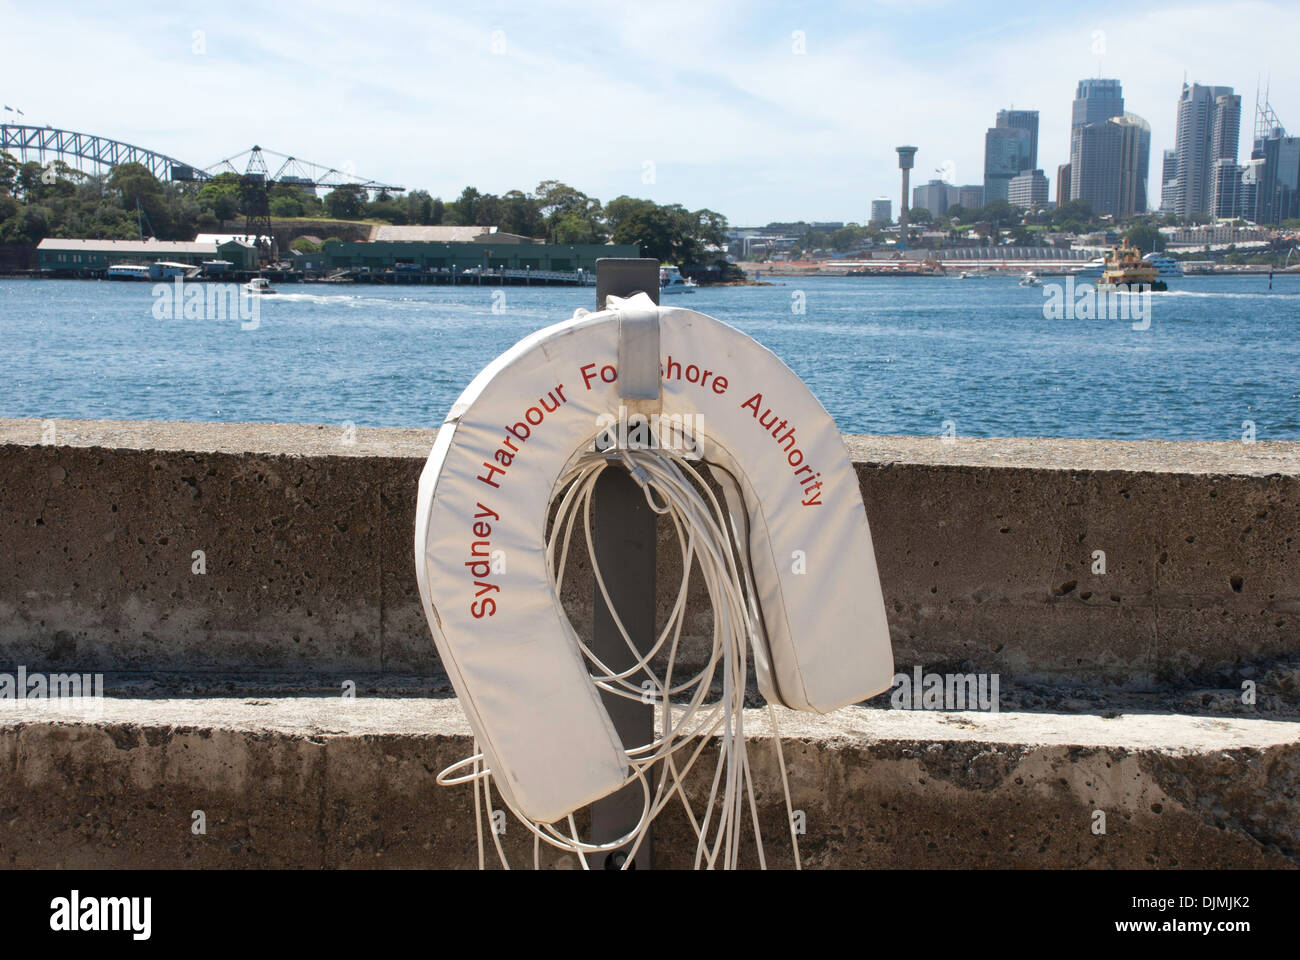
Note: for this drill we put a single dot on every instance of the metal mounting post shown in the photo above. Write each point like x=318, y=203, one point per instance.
x=624, y=537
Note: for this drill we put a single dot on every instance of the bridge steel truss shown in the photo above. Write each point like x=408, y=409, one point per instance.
x=22, y=140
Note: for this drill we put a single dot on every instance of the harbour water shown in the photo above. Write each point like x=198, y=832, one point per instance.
x=916, y=356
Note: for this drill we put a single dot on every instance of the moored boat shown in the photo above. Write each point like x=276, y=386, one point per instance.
x=127, y=271
x=672, y=281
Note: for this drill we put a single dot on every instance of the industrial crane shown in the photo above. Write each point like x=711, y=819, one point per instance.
x=255, y=183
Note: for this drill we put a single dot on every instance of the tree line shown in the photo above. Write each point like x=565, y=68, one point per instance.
x=59, y=201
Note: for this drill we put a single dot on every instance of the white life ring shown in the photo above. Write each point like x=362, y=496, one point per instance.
x=505, y=640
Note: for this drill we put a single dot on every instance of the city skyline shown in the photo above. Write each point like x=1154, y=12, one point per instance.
x=722, y=109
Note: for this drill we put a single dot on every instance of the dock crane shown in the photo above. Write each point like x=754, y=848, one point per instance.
x=256, y=181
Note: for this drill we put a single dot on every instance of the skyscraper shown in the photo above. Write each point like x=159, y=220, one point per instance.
x=1168, y=181
x=1062, y=184
x=1094, y=155
x=1096, y=100
x=1209, y=124
x=1271, y=185
x=1026, y=120
x=1006, y=153
x=1110, y=161
x=881, y=210
x=1134, y=163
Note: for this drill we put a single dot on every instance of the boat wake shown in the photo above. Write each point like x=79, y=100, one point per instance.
x=1217, y=295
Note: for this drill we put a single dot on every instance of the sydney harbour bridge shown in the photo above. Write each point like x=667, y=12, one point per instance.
x=95, y=154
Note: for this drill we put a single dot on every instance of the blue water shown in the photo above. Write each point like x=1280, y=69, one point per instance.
x=884, y=356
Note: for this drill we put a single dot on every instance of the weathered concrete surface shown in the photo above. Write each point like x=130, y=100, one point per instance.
x=327, y=782
x=985, y=547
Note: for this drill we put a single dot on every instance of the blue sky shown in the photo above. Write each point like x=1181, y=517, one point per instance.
x=703, y=103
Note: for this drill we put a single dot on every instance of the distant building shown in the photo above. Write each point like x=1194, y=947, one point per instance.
x=1225, y=189
x=1109, y=165
x=1028, y=190
x=1169, y=181
x=971, y=196
x=1248, y=190
x=1062, y=185
x=1096, y=100
x=1026, y=120
x=1134, y=164
x=1094, y=175
x=1006, y=154
x=458, y=256
x=882, y=210
x=92, y=258
x=1275, y=165
x=935, y=196
x=1209, y=123
x=442, y=234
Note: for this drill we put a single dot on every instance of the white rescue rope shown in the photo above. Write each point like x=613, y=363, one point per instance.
x=675, y=489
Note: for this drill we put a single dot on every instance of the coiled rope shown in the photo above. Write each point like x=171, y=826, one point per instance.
x=675, y=489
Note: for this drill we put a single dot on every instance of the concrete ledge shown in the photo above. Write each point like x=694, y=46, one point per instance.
x=327, y=782
x=986, y=550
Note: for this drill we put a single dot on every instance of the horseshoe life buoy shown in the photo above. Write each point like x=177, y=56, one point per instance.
x=480, y=539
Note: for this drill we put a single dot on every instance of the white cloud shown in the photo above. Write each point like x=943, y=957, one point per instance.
x=711, y=92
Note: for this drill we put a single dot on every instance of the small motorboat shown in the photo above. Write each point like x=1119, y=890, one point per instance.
x=1030, y=279
x=672, y=281
x=259, y=286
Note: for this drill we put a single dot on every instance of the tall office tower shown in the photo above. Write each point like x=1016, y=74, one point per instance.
x=1062, y=184
x=1134, y=164
x=1026, y=120
x=1006, y=154
x=1248, y=192
x=1112, y=158
x=1275, y=162
x=1168, y=181
x=1209, y=122
x=1225, y=189
x=1096, y=100
x=882, y=210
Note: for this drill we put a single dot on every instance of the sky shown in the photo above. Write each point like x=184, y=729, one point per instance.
x=760, y=111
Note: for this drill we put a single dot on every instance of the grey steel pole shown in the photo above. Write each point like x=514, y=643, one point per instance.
x=624, y=536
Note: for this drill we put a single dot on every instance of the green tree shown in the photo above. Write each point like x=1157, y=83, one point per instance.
x=345, y=202
x=1146, y=238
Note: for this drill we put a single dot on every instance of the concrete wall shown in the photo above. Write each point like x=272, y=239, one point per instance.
x=329, y=783
x=985, y=549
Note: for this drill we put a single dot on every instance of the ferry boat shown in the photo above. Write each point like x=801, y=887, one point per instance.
x=259, y=286
x=127, y=271
x=672, y=281
x=1165, y=266
x=1126, y=268
x=164, y=270
x=1030, y=279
